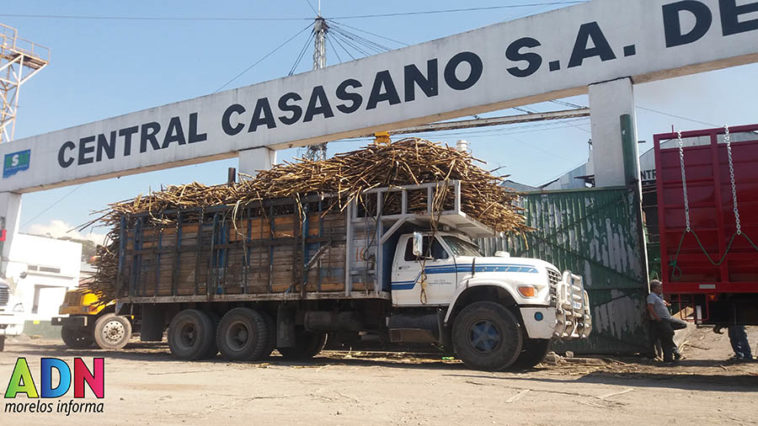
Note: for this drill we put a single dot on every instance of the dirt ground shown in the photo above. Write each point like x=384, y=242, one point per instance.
x=144, y=384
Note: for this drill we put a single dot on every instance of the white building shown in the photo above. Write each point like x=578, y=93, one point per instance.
x=42, y=269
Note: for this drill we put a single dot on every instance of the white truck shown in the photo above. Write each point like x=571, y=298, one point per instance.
x=11, y=313
x=247, y=279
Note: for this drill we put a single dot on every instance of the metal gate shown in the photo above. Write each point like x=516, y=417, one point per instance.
x=598, y=234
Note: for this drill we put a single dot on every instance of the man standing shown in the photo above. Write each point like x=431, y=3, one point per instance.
x=664, y=323
x=740, y=345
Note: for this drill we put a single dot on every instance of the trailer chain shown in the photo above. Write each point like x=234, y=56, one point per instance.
x=675, y=270
x=684, y=182
x=728, y=140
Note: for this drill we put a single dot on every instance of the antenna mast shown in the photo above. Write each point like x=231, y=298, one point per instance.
x=320, y=28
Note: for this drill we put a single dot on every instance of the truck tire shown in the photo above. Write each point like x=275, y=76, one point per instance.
x=2, y=343
x=243, y=335
x=487, y=336
x=191, y=334
x=307, y=345
x=112, y=331
x=77, y=337
x=533, y=351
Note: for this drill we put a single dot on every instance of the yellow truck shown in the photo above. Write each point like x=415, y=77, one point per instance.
x=89, y=322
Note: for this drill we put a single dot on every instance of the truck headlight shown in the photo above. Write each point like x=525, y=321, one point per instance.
x=19, y=307
x=527, y=291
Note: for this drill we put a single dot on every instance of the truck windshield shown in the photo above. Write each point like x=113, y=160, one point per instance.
x=460, y=247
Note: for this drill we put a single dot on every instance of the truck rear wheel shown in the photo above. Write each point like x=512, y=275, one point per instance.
x=487, y=336
x=307, y=345
x=112, y=331
x=77, y=337
x=532, y=353
x=191, y=335
x=243, y=335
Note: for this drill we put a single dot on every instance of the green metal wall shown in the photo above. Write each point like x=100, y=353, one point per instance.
x=597, y=234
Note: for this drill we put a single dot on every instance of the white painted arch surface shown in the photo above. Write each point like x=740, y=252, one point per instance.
x=729, y=38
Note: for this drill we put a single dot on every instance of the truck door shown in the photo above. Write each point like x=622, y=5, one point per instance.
x=407, y=277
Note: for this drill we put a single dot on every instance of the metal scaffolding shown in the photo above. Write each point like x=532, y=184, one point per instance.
x=20, y=60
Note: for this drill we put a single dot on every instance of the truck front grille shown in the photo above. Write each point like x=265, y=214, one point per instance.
x=554, y=277
x=4, y=296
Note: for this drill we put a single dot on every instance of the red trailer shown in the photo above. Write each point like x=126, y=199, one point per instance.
x=707, y=184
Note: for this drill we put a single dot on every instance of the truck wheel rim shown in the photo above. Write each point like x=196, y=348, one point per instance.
x=113, y=331
x=484, y=336
x=237, y=336
x=188, y=335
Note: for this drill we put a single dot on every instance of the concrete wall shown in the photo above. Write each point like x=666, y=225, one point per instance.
x=49, y=268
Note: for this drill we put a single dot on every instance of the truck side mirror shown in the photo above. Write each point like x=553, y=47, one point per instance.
x=418, y=244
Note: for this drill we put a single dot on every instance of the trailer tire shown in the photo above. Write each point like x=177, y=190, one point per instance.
x=533, y=351
x=243, y=335
x=487, y=336
x=112, y=331
x=77, y=337
x=191, y=334
x=2, y=343
x=307, y=345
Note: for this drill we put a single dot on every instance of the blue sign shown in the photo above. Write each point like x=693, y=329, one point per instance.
x=16, y=162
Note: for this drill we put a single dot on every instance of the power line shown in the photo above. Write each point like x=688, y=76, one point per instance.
x=51, y=205
x=469, y=9
x=367, y=32
x=263, y=58
x=677, y=116
x=152, y=18
x=273, y=18
x=334, y=49
x=301, y=54
x=311, y=6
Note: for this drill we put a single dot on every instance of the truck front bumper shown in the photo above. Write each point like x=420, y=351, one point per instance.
x=71, y=321
x=11, y=325
x=570, y=318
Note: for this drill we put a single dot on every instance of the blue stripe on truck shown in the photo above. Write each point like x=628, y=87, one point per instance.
x=449, y=269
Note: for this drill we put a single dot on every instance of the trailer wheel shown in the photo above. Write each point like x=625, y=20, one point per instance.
x=532, y=353
x=77, y=337
x=487, y=336
x=243, y=335
x=307, y=345
x=112, y=331
x=191, y=334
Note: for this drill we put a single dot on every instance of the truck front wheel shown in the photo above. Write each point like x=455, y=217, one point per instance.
x=243, y=335
x=77, y=337
x=191, y=335
x=532, y=353
x=307, y=345
x=487, y=336
x=112, y=331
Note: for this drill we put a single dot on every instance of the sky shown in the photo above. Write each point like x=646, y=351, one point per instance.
x=112, y=58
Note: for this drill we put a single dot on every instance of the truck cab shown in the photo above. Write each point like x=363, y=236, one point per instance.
x=523, y=301
x=11, y=313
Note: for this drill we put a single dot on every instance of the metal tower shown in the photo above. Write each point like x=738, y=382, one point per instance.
x=320, y=28
x=20, y=60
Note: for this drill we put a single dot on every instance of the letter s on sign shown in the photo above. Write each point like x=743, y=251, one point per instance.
x=62, y=154
x=533, y=60
x=14, y=160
